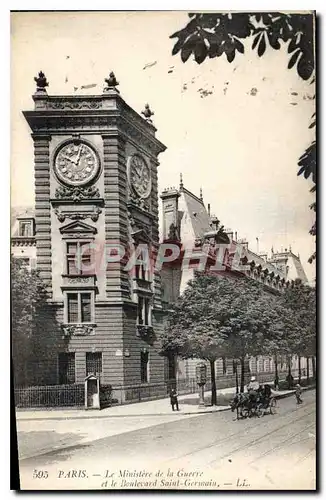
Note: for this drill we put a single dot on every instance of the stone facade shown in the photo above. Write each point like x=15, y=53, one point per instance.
x=108, y=317
x=23, y=242
x=187, y=222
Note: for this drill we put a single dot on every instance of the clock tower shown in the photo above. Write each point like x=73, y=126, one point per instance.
x=96, y=212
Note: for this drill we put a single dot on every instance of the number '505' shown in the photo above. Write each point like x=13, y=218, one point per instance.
x=40, y=474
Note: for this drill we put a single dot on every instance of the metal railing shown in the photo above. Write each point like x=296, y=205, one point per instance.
x=74, y=394
x=50, y=396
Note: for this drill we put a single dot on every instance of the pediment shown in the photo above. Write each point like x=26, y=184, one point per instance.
x=78, y=227
x=141, y=235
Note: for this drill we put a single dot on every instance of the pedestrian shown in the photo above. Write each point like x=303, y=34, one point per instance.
x=174, y=399
x=298, y=392
x=253, y=388
x=290, y=380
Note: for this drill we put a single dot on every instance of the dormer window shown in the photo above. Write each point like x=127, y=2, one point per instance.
x=25, y=228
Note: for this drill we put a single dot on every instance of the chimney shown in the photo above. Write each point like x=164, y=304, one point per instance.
x=170, y=211
x=209, y=209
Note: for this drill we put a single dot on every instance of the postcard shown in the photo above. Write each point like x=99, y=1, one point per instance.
x=163, y=253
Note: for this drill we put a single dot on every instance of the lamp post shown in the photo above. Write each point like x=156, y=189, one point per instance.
x=236, y=363
x=201, y=377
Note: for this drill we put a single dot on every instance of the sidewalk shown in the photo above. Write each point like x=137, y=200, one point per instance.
x=143, y=409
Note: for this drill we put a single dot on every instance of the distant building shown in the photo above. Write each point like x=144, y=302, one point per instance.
x=23, y=241
x=188, y=221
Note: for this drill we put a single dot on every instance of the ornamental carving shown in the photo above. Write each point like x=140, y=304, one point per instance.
x=139, y=202
x=145, y=331
x=74, y=104
x=77, y=329
x=80, y=280
x=77, y=193
x=93, y=215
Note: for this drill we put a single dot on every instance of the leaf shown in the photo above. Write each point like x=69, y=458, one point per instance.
x=230, y=55
x=262, y=46
x=185, y=53
x=292, y=45
x=200, y=51
x=239, y=45
x=305, y=67
x=177, y=47
x=274, y=43
x=256, y=40
x=294, y=58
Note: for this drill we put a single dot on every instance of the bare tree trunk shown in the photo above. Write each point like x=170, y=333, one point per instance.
x=299, y=366
x=313, y=367
x=276, y=381
x=242, y=375
x=308, y=371
x=236, y=378
x=289, y=377
x=214, y=396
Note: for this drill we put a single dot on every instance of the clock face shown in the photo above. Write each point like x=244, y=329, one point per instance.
x=76, y=164
x=139, y=176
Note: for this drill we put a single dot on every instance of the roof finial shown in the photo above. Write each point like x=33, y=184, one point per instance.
x=111, y=82
x=41, y=82
x=201, y=194
x=148, y=113
x=181, y=181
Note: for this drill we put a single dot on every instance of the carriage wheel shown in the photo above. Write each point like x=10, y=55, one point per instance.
x=259, y=411
x=244, y=412
x=272, y=408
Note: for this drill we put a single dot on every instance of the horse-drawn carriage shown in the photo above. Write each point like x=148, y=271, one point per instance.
x=254, y=403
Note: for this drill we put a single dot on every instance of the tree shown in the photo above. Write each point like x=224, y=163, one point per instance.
x=195, y=327
x=31, y=327
x=216, y=316
x=301, y=301
x=211, y=35
x=249, y=323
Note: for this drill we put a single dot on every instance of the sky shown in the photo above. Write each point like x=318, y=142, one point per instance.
x=240, y=143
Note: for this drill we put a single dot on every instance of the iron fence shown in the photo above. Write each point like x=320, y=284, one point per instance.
x=74, y=394
x=50, y=396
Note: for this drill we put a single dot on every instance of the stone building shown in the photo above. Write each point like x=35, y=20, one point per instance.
x=186, y=220
x=23, y=242
x=95, y=164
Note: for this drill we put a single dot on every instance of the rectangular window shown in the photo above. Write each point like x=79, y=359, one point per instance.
x=93, y=363
x=224, y=366
x=140, y=310
x=72, y=307
x=85, y=303
x=144, y=366
x=24, y=261
x=25, y=229
x=79, y=307
x=172, y=367
x=67, y=368
x=144, y=311
x=78, y=258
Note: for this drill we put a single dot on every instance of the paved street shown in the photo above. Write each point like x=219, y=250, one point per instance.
x=210, y=451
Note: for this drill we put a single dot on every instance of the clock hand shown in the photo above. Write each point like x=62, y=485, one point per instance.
x=79, y=153
x=68, y=158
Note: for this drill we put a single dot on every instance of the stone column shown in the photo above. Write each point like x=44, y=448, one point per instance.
x=116, y=222
x=43, y=209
